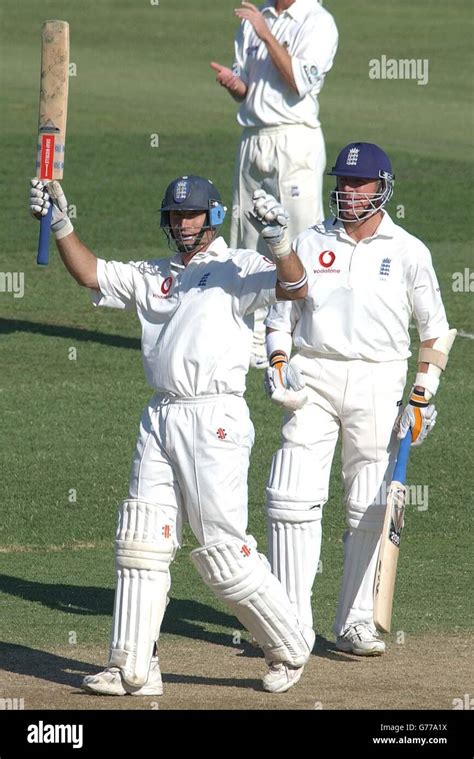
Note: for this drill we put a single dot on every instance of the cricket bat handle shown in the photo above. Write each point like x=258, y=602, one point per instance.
x=400, y=471
x=43, y=242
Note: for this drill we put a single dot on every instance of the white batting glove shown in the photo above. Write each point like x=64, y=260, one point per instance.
x=41, y=197
x=419, y=416
x=274, y=220
x=284, y=383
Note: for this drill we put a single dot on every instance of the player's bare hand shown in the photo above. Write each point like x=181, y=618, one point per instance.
x=42, y=196
x=249, y=12
x=226, y=78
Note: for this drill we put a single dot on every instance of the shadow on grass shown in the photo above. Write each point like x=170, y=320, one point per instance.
x=63, y=670
x=184, y=617
x=10, y=326
x=43, y=665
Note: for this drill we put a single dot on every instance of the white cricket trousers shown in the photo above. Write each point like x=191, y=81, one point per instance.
x=287, y=162
x=192, y=459
x=359, y=400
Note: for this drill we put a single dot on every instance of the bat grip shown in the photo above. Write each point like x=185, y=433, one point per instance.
x=42, y=258
x=400, y=473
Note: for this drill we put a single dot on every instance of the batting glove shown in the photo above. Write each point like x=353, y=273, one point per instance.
x=419, y=416
x=41, y=197
x=271, y=214
x=284, y=383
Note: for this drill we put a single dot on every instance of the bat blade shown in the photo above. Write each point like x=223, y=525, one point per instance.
x=52, y=118
x=388, y=557
x=386, y=571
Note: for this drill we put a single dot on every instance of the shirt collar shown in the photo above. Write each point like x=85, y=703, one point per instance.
x=217, y=250
x=297, y=11
x=386, y=229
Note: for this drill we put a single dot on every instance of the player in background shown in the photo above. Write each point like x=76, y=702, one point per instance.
x=195, y=435
x=283, y=52
x=368, y=278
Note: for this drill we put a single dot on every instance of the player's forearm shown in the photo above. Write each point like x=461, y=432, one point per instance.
x=282, y=61
x=290, y=270
x=432, y=361
x=80, y=262
x=422, y=365
x=238, y=91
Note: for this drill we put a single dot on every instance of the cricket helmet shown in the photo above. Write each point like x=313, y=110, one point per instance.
x=362, y=160
x=191, y=193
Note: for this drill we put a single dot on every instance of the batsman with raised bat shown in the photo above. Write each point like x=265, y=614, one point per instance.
x=195, y=436
x=368, y=279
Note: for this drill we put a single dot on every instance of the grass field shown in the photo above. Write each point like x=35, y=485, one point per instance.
x=69, y=426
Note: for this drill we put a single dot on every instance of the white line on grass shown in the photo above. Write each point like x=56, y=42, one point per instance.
x=52, y=548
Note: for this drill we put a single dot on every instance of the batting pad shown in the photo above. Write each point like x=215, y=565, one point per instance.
x=294, y=512
x=144, y=549
x=294, y=551
x=292, y=489
x=356, y=599
x=239, y=577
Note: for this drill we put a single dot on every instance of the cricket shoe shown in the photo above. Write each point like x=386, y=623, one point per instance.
x=281, y=677
x=258, y=361
x=110, y=682
x=360, y=639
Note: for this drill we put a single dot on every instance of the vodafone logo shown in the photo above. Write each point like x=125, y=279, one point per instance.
x=165, y=288
x=327, y=258
x=166, y=285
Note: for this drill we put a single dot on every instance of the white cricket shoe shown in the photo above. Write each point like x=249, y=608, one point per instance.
x=281, y=677
x=258, y=362
x=360, y=639
x=110, y=682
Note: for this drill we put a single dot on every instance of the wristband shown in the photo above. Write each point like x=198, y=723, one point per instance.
x=64, y=230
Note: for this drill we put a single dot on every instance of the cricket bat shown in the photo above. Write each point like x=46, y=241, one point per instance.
x=386, y=572
x=52, y=115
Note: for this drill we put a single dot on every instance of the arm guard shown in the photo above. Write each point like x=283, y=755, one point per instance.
x=437, y=358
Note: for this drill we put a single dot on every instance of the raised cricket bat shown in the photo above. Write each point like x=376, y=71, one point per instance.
x=52, y=115
x=386, y=573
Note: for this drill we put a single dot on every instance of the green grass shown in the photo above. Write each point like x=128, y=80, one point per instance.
x=71, y=425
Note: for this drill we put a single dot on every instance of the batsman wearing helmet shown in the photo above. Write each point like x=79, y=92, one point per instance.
x=195, y=435
x=368, y=278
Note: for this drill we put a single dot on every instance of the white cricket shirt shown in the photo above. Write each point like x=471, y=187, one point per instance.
x=196, y=330
x=310, y=35
x=362, y=296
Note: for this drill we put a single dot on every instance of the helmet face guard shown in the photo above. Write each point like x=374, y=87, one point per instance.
x=342, y=201
x=188, y=194
x=361, y=160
